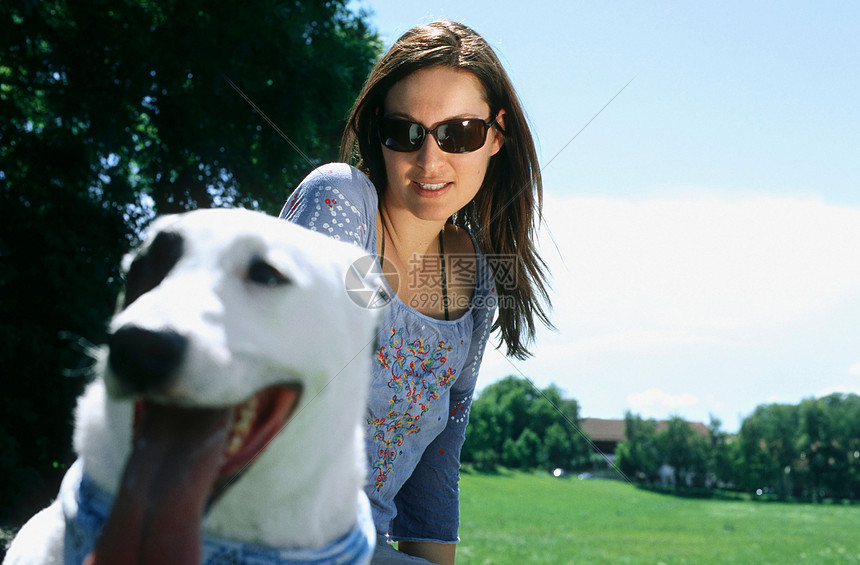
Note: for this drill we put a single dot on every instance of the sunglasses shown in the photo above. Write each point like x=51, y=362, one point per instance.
x=455, y=136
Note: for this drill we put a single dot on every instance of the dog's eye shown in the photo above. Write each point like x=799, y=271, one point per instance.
x=263, y=273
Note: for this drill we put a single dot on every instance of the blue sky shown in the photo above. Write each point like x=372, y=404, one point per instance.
x=704, y=230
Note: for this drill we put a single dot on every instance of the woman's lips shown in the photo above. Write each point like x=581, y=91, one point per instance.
x=431, y=188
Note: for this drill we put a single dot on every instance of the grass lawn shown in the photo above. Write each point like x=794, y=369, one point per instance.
x=516, y=518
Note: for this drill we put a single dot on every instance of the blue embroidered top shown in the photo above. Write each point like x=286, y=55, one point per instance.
x=424, y=373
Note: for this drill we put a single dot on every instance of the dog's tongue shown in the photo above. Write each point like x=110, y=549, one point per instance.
x=169, y=476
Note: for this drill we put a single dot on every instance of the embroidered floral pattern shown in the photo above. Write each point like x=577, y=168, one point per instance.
x=332, y=214
x=418, y=376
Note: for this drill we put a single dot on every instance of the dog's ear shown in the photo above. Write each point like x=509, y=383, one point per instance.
x=151, y=265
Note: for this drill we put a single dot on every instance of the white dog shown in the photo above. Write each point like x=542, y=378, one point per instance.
x=241, y=364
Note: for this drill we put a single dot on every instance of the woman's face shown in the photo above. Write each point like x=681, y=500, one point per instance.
x=430, y=183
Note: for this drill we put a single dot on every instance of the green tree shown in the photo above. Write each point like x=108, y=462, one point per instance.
x=498, y=414
x=685, y=450
x=638, y=456
x=719, y=456
x=829, y=445
x=767, y=449
x=522, y=452
x=482, y=447
x=112, y=112
x=514, y=424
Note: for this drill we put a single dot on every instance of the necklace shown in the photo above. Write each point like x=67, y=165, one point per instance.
x=441, y=257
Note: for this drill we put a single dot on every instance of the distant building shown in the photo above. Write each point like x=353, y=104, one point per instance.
x=607, y=434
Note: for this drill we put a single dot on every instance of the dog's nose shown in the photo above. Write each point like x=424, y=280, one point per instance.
x=144, y=360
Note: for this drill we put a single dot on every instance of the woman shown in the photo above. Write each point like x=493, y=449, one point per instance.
x=446, y=194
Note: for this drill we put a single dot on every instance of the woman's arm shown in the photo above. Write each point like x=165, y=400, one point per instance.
x=441, y=553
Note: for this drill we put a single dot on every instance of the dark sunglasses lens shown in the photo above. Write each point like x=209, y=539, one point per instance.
x=461, y=137
x=398, y=135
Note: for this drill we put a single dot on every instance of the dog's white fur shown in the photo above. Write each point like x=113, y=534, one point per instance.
x=303, y=490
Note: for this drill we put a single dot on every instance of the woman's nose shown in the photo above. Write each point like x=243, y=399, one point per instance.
x=430, y=156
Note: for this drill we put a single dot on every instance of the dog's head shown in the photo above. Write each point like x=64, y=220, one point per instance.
x=222, y=303
x=230, y=320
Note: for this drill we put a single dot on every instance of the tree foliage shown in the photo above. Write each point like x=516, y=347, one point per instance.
x=113, y=112
x=638, y=457
x=514, y=424
x=809, y=451
x=685, y=450
x=765, y=447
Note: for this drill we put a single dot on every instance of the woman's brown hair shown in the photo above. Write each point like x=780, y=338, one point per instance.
x=504, y=213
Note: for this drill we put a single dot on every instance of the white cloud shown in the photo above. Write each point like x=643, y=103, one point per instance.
x=854, y=370
x=654, y=398
x=696, y=267
x=641, y=340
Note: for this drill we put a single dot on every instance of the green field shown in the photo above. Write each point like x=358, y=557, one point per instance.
x=516, y=518
x=530, y=519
